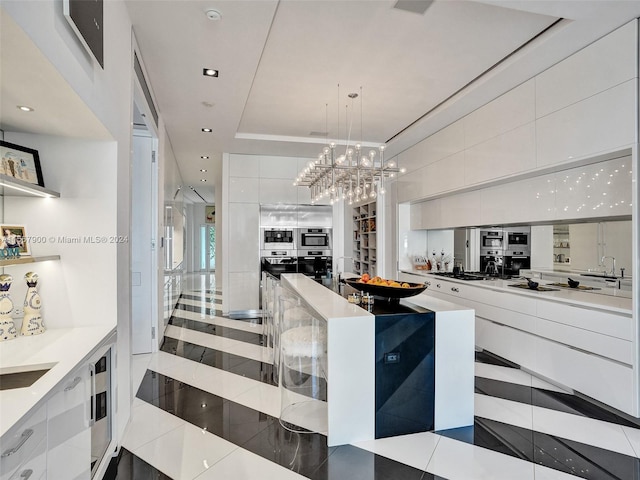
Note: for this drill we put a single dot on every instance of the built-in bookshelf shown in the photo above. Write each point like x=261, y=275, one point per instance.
x=365, y=239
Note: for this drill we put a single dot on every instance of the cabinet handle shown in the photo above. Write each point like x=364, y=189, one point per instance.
x=92, y=372
x=23, y=438
x=428, y=284
x=455, y=289
x=26, y=474
x=438, y=285
x=73, y=384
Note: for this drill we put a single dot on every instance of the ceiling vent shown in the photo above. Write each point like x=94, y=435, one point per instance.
x=414, y=6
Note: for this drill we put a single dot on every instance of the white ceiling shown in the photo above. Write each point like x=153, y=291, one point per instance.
x=280, y=64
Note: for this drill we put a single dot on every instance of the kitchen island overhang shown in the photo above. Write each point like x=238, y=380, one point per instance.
x=351, y=362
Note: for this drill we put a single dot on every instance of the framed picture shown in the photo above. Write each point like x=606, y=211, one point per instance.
x=210, y=213
x=20, y=162
x=12, y=237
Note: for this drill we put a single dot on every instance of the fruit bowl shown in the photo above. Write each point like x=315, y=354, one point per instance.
x=387, y=291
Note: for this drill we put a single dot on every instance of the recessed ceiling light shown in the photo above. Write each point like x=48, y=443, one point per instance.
x=209, y=72
x=213, y=14
x=203, y=170
x=24, y=108
x=204, y=157
x=203, y=179
x=207, y=130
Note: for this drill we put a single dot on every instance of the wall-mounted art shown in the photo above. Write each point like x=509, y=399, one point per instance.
x=13, y=241
x=20, y=162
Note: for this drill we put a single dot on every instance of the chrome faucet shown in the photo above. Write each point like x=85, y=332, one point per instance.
x=613, y=265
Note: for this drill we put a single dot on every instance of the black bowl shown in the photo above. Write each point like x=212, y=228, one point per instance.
x=532, y=285
x=389, y=292
x=573, y=283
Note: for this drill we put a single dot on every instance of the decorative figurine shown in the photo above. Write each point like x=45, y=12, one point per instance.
x=7, y=327
x=32, y=324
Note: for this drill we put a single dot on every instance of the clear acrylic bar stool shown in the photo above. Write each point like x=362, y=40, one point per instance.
x=303, y=357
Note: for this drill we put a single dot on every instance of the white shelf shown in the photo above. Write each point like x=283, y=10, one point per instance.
x=12, y=187
x=22, y=260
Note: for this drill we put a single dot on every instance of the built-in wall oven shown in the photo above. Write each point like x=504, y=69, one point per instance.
x=314, y=238
x=517, y=254
x=492, y=251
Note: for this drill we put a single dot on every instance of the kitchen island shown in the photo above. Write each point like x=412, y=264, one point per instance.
x=352, y=360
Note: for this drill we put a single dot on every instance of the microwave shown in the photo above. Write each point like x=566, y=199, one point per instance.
x=314, y=238
x=491, y=239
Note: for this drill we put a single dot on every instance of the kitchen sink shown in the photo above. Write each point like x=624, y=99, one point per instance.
x=22, y=376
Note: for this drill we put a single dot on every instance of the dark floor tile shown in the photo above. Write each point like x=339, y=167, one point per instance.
x=349, y=462
x=493, y=359
x=575, y=458
x=551, y=399
x=131, y=467
x=303, y=453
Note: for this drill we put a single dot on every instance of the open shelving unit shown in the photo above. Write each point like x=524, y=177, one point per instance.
x=365, y=239
x=13, y=187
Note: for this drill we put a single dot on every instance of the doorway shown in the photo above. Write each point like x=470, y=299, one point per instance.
x=207, y=248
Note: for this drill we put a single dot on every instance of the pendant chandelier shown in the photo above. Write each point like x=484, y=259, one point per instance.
x=354, y=176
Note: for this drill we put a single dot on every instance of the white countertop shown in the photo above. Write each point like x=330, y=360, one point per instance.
x=66, y=347
x=324, y=301
x=613, y=300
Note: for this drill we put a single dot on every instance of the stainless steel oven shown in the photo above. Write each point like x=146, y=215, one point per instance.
x=492, y=240
x=277, y=239
x=518, y=238
x=314, y=238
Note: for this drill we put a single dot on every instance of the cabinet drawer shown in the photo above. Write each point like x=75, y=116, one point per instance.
x=506, y=317
x=34, y=467
x=18, y=444
x=610, y=347
x=619, y=326
x=507, y=342
x=606, y=381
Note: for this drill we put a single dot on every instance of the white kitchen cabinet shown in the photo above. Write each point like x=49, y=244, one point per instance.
x=68, y=426
x=461, y=209
x=244, y=190
x=426, y=215
x=608, y=62
x=507, y=112
x=511, y=153
x=244, y=234
x=572, y=345
x=443, y=175
x=607, y=381
x=245, y=166
x=35, y=466
x=599, y=124
x=279, y=167
x=278, y=190
x=19, y=444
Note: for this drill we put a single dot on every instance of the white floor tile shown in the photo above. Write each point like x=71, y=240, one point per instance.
x=161, y=361
x=213, y=380
x=601, y=434
x=254, y=352
x=146, y=424
x=505, y=411
x=221, y=321
x=459, y=460
x=633, y=435
x=185, y=452
x=414, y=450
x=244, y=465
x=264, y=398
